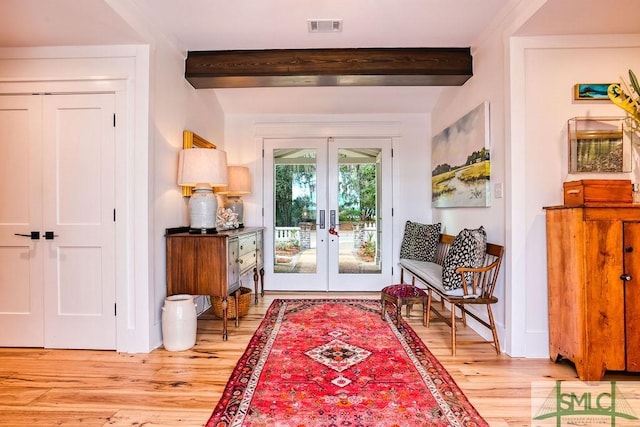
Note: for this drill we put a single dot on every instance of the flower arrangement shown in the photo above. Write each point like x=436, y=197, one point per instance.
x=626, y=95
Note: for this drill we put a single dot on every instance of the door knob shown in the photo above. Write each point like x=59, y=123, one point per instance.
x=625, y=277
x=628, y=249
x=34, y=235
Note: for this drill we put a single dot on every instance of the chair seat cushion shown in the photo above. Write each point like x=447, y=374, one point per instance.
x=404, y=290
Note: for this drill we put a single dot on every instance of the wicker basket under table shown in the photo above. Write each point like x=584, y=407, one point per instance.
x=243, y=304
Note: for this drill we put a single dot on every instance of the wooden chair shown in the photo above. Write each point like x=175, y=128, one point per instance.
x=478, y=292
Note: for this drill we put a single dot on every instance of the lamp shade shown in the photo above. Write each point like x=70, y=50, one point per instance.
x=239, y=181
x=202, y=166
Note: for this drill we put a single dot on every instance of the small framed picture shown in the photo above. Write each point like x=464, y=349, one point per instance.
x=591, y=92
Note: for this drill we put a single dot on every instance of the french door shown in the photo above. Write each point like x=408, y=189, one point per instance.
x=57, y=221
x=328, y=213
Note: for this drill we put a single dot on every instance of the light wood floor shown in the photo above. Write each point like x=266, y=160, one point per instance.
x=94, y=388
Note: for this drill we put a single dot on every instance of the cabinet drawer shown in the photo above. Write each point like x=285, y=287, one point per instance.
x=247, y=245
x=247, y=262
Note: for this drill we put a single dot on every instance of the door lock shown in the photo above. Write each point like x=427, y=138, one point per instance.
x=625, y=277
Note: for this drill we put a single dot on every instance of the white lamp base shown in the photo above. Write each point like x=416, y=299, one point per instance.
x=203, y=207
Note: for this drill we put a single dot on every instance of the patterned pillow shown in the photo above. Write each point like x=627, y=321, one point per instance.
x=467, y=250
x=420, y=241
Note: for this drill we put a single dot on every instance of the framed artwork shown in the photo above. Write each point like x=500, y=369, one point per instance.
x=599, y=145
x=461, y=162
x=591, y=91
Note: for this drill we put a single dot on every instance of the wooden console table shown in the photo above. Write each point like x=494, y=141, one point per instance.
x=212, y=264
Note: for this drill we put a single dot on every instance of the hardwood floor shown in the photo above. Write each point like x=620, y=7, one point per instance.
x=94, y=388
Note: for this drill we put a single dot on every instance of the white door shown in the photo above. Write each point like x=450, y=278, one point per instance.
x=21, y=258
x=74, y=214
x=327, y=203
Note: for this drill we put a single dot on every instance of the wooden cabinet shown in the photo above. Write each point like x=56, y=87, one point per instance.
x=212, y=264
x=593, y=259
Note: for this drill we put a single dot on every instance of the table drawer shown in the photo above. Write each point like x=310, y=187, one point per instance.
x=247, y=262
x=248, y=244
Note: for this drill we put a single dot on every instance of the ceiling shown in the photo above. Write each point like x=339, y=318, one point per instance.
x=282, y=24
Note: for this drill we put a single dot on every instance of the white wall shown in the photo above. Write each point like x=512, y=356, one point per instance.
x=487, y=84
x=175, y=106
x=528, y=83
x=545, y=72
x=410, y=134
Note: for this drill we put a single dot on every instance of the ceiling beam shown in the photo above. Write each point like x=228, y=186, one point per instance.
x=329, y=67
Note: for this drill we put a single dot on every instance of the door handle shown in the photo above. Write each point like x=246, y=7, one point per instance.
x=625, y=277
x=332, y=223
x=34, y=235
x=322, y=219
x=49, y=235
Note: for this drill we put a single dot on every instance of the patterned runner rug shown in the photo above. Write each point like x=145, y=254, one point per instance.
x=335, y=362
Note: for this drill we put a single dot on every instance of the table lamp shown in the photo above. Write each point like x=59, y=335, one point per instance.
x=202, y=168
x=239, y=184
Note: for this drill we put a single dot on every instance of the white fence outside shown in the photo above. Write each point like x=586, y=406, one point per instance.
x=287, y=234
x=362, y=232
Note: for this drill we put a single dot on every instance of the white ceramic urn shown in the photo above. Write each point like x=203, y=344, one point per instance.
x=179, y=322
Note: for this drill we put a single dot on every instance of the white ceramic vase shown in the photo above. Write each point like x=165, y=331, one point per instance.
x=179, y=322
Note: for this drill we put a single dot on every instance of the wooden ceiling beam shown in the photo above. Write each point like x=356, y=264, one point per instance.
x=329, y=67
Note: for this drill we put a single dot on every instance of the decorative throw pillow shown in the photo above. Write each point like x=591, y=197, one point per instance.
x=420, y=241
x=467, y=250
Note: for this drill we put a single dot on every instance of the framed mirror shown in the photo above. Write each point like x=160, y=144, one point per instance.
x=193, y=140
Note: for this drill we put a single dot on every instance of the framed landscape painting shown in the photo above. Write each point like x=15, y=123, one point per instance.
x=591, y=91
x=461, y=162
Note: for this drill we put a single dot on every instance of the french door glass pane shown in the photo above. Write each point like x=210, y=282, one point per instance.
x=295, y=203
x=358, y=189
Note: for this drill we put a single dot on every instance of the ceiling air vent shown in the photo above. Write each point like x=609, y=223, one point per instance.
x=325, y=25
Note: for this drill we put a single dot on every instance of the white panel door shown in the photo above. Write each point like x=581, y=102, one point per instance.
x=21, y=258
x=360, y=252
x=78, y=205
x=296, y=173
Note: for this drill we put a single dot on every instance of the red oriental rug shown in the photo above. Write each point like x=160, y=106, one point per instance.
x=335, y=362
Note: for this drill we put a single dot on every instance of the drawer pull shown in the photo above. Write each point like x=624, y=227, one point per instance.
x=573, y=191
